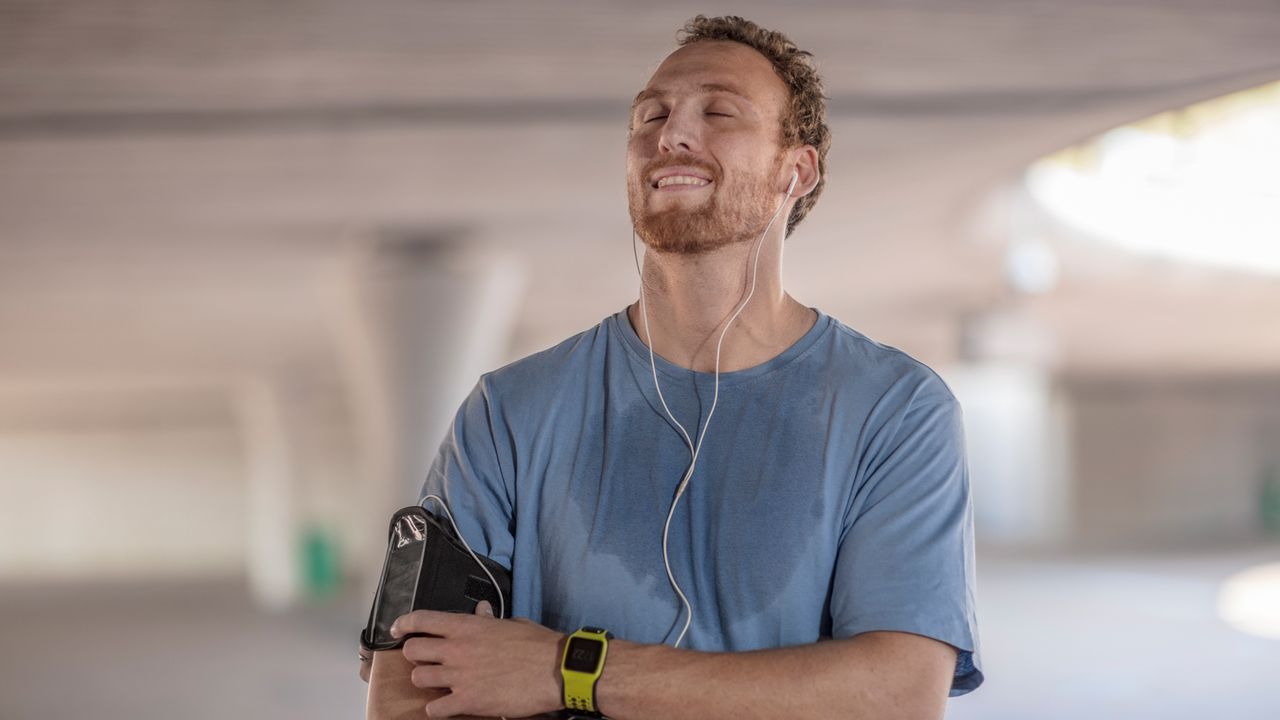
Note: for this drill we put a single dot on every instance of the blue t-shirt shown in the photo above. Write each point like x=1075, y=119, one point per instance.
x=830, y=498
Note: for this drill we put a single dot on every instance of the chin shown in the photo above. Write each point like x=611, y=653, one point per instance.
x=682, y=238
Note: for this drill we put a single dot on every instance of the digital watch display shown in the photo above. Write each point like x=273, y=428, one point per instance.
x=583, y=655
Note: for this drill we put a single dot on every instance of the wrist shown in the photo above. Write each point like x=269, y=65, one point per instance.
x=555, y=698
x=634, y=669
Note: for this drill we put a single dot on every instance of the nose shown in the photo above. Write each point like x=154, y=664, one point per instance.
x=679, y=133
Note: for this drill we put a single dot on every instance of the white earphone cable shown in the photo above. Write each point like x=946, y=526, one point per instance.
x=694, y=448
x=502, y=603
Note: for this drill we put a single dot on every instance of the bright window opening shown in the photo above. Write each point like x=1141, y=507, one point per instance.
x=1199, y=184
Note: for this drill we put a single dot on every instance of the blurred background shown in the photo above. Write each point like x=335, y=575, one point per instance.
x=253, y=255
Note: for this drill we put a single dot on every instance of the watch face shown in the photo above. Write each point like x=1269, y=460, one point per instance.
x=583, y=655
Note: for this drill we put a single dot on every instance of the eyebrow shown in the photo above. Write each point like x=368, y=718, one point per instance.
x=649, y=93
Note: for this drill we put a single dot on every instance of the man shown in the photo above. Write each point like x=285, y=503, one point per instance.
x=822, y=544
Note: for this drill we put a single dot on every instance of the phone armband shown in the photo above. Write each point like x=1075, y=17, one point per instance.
x=427, y=567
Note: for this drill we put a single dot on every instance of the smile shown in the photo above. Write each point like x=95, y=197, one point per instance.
x=681, y=180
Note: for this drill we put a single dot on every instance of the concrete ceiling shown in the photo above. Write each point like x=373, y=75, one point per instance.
x=173, y=175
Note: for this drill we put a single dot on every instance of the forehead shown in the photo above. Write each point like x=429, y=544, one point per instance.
x=718, y=64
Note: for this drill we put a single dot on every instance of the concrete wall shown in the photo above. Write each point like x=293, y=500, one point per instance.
x=109, y=502
x=122, y=481
x=1171, y=462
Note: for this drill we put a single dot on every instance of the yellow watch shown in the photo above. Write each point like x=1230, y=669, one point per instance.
x=580, y=668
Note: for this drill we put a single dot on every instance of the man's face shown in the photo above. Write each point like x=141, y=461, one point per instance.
x=710, y=118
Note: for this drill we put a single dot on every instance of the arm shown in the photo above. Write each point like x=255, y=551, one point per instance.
x=883, y=675
x=392, y=694
x=511, y=668
x=393, y=697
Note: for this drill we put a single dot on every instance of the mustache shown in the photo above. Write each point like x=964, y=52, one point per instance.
x=676, y=161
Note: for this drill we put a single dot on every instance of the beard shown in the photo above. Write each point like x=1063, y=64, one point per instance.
x=734, y=213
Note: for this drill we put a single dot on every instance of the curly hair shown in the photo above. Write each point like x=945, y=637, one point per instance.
x=805, y=122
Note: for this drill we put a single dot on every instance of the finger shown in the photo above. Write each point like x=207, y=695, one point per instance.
x=431, y=676
x=432, y=622
x=444, y=707
x=484, y=608
x=422, y=650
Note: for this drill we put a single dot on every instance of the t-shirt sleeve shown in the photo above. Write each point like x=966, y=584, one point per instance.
x=905, y=558
x=474, y=477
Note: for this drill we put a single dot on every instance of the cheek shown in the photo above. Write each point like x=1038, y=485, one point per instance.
x=637, y=150
x=638, y=157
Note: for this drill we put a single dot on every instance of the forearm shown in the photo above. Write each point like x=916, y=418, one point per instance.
x=392, y=695
x=877, y=675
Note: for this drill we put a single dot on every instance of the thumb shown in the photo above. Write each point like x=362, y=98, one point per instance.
x=484, y=608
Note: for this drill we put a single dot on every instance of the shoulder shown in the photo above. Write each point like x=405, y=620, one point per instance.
x=887, y=374
x=536, y=379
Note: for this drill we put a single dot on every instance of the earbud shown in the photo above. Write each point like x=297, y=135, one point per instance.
x=795, y=176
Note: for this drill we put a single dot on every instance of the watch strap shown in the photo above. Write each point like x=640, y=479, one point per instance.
x=578, y=681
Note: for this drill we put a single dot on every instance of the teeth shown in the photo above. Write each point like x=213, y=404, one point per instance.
x=682, y=180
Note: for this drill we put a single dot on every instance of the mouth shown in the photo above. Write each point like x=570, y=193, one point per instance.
x=679, y=178
x=680, y=183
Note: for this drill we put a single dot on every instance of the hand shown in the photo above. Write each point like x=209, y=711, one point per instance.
x=492, y=667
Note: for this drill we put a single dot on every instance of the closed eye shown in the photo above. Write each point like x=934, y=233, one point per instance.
x=720, y=114
x=655, y=117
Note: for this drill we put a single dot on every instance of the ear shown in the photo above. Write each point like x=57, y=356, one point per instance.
x=803, y=161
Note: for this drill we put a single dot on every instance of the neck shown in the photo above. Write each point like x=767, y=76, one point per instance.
x=689, y=300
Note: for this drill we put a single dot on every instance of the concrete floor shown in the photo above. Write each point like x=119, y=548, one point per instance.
x=1103, y=637
x=192, y=651
x=1125, y=637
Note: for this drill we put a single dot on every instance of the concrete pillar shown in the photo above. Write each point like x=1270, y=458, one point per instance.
x=416, y=320
x=1017, y=424
x=270, y=455
x=1017, y=428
